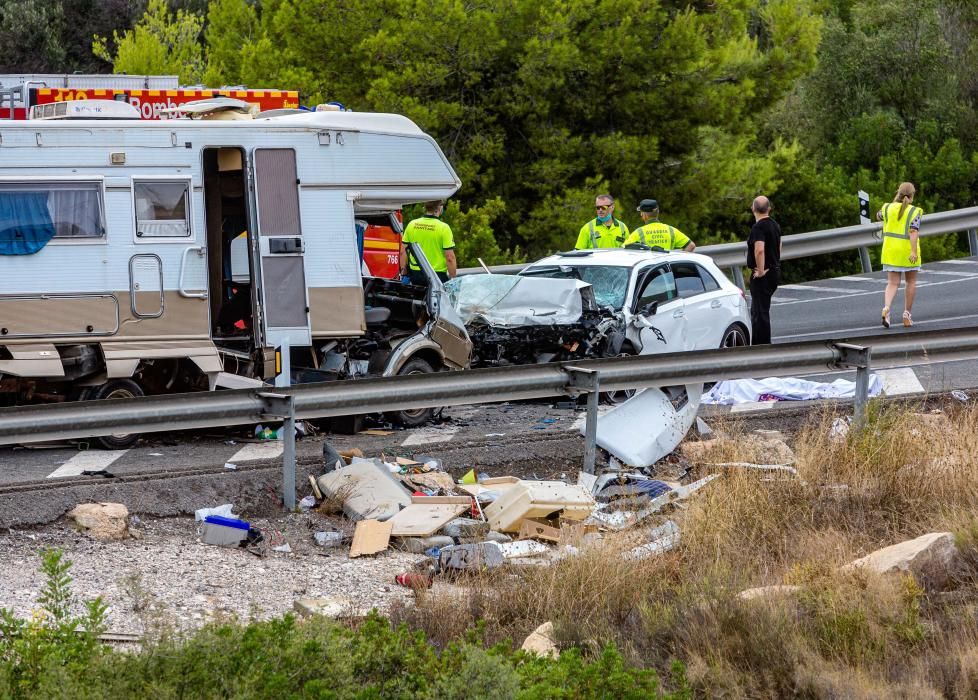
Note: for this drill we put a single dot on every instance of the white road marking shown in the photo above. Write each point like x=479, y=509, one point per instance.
x=874, y=292
x=928, y=271
x=258, y=450
x=782, y=300
x=959, y=262
x=752, y=406
x=842, y=332
x=902, y=380
x=812, y=288
x=90, y=460
x=424, y=436
x=853, y=278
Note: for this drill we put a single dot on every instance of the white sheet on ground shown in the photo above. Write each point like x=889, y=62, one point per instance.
x=734, y=391
x=650, y=425
x=511, y=300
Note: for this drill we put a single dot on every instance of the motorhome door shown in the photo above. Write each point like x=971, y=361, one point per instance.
x=283, y=294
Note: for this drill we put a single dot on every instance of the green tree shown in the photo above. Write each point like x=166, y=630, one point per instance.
x=162, y=42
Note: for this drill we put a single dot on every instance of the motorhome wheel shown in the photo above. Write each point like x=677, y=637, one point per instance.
x=418, y=416
x=115, y=389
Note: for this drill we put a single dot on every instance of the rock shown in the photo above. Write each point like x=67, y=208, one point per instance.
x=767, y=592
x=333, y=606
x=541, y=641
x=103, y=521
x=931, y=558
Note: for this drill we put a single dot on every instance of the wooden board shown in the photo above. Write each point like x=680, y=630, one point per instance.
x=426, y=518
x=370, y=537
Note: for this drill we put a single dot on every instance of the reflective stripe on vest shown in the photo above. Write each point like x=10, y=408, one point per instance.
x=911, y=214
x=672, y=235
x=594, y=240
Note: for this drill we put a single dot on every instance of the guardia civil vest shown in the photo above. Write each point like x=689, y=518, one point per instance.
x=896, y=235
x=656, y=233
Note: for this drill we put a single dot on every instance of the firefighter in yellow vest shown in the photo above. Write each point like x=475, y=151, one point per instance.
x=654, y=233
x=901, y=252
x=604, y=230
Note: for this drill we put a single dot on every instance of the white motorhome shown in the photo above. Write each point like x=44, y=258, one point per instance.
x=141, y=257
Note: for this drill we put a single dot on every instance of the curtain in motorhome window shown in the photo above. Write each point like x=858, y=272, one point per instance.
x=31, y=214
x=161, y=209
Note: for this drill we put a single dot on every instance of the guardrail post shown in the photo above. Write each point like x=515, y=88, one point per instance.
x=282, y=407
x=973, y=241
x=581, y=381
x=864, y=259
x=738, y=277
x=857, y=357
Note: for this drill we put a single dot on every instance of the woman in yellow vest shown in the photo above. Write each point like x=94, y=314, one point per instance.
x=901, y=226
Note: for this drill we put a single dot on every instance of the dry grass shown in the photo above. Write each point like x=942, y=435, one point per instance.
x=842, y=635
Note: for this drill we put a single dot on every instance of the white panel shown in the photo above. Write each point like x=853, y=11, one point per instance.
x=330, y=237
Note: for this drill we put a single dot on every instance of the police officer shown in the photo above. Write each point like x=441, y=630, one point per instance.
x=604, y=230
x=655, y=233
x=436, y=240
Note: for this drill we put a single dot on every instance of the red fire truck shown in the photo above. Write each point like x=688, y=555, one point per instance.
x=147, y=93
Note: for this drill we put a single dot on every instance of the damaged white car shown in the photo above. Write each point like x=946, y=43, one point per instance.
x=600, y=303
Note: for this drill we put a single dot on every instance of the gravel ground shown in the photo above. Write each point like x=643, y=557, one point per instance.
x=190, y=583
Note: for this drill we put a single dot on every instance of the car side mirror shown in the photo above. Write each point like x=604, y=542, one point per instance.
x=649, y=309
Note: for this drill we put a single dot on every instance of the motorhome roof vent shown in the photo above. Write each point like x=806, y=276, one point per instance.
x=85, y=109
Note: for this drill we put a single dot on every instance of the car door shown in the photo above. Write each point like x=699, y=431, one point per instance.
x=706, y=319
x=657, y=320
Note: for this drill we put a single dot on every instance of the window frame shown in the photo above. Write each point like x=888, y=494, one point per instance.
x=151, y=240
x=699, y=270
x=642, y=281
x=91, y=179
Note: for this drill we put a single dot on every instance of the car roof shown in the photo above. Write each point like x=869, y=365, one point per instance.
x=620, y=257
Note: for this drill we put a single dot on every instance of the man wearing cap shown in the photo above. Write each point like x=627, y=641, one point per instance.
x=654, y=233
x=436, y=240
x=604, y=230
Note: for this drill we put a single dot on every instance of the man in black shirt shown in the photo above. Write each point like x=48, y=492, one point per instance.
x=764, y=260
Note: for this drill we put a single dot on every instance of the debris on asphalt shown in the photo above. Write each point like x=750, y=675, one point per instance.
x=230, y=465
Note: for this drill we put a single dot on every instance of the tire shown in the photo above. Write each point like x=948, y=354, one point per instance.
x=114, y=389
x=734, y=337
x=615, y=398
x=419, y=416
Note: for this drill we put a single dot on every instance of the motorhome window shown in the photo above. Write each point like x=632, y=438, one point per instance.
x=62, y=210
x=161, y=209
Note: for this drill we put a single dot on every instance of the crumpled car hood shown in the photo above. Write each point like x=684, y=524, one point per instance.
x=508, y=301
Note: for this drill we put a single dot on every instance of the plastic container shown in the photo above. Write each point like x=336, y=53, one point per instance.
x=538, y=499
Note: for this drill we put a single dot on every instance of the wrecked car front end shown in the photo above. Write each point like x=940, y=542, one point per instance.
x=514, y=320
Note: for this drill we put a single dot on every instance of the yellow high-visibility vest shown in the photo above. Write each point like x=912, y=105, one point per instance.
x=896, y=235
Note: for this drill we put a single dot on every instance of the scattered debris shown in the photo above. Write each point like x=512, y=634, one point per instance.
x=414, y=579
x=470, y=557
x=427, y=514
x=102, y=521
x=223, y=531
x=703, y=429
x=538, y=499
x=328, y=538
x=230, y=465
x=534, y=529
x=224, y=510
x=840, y=428
x=105, y=474
x=759, y=467
x=767, y=592
x=367, y=489
x=522, y=548
x=370, y=537
x=420, y=545
x=307, y=503
x=283, y=548
x=960, y=396
x=663, y=538
x=376, y=432
x=665, y=416
x=620, y=520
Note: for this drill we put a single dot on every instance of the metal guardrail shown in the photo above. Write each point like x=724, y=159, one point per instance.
x=221, y=408
x=801, y=245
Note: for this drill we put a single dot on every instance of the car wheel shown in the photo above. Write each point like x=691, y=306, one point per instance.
x=734, y=337
x=412, y=418
x=615, y=398
x=114, y=389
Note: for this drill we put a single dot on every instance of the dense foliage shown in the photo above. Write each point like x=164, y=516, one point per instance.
x=541, y=105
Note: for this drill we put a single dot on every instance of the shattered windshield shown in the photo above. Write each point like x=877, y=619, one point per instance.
x=610, y=283
x=511, y=300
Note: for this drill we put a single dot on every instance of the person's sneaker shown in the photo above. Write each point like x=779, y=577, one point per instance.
x=886, y=317
x=907, y=319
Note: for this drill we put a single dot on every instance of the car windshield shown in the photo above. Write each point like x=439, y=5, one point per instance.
x=609, y=282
